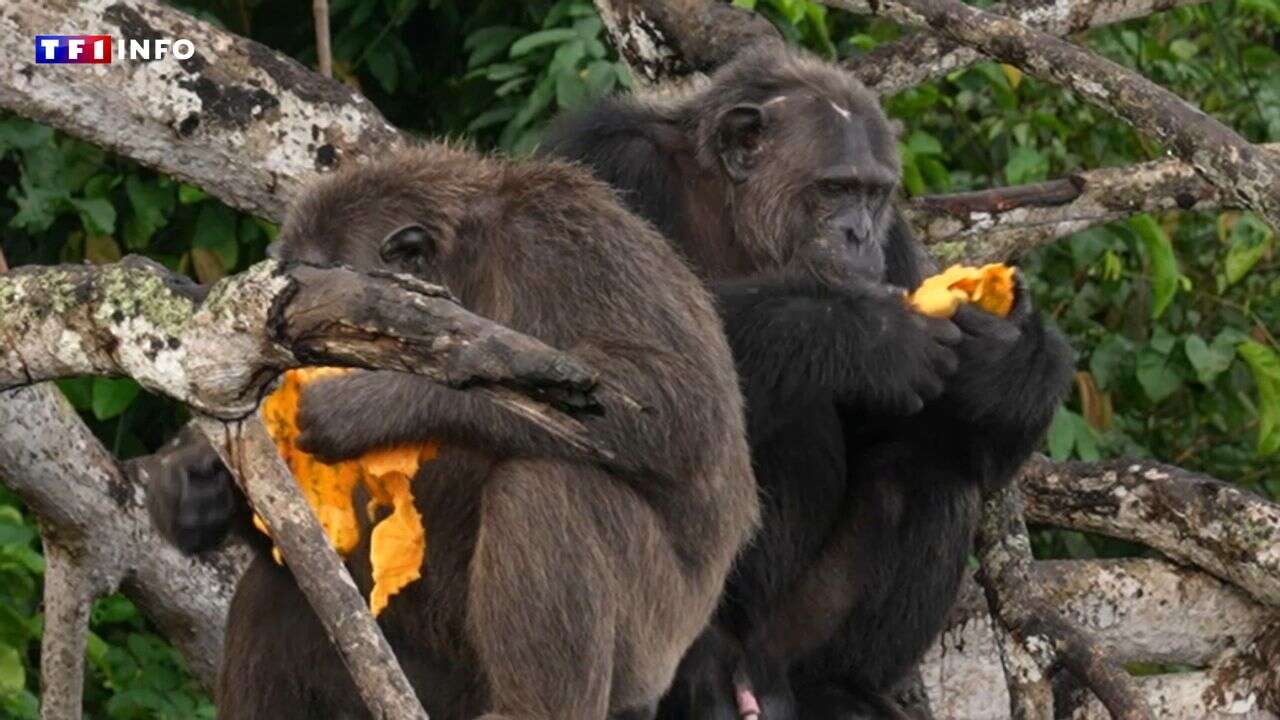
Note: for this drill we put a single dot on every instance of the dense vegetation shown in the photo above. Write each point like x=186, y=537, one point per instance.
x=1175, y=318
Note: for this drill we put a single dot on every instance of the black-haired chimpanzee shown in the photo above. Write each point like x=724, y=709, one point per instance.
x=553, y=588
x=873, y=429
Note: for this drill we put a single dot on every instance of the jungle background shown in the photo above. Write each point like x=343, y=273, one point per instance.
x=1157, y=307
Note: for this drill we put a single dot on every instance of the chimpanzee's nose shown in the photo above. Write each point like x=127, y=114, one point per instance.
x=854, y=226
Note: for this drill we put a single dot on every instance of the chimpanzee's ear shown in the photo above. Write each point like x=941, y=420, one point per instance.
x=409, y=247
x=738, y=139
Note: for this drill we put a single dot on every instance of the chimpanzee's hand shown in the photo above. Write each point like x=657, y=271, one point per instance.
x=335, y=415
x=904, y=357
x=192, y=498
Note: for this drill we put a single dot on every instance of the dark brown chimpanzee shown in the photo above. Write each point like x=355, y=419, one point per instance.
x=553, y=588
x=873, y=429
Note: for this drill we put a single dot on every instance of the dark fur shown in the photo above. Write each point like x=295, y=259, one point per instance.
x=552, y=588
x=873, y=430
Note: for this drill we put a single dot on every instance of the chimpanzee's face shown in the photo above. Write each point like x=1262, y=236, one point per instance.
x=828, y=167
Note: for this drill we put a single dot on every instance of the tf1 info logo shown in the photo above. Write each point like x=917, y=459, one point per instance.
x=96, y=49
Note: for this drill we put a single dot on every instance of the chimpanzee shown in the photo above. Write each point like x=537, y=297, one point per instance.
x=554, y=587
x=873, y=429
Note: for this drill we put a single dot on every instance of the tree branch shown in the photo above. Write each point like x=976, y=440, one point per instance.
x=1001, y=223
x=924, y=56
x=1038, y=628
x=132, y=319
x=240, y=120
x=248, y=451
x=136, y=319
x=1142, y=610
x=324, y=55
x=78, y=491
x=71, y=583
x=1213, y=149
x=1217, y=527
x=662, y=40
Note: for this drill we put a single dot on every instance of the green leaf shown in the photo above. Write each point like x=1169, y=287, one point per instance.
x=111, y=396
x=922, y=143
x=97, y=215
x=13, y=676
x=1183, y=49
x=1162, y=263
x=216, y=231
x=152, y=202
x=565, y=60
x=1209, y=361
x=501, y=72
x=1156, y=375
x=600, y=78
x=538, y=100
x=16, y=533
x=912, y=179
x=190, y=194
x=571, y=91
x=1264, y=364
x=1109, y=360
x=492, y=117
x=1026, y=164
x=20, y=134
x=113, y=609
x=21, y=705
x=38, y=206
x=1250, y=241
x=542, y=38
x=381, y=61
x=1061, y=435
x=78, y=391
x=489, y=43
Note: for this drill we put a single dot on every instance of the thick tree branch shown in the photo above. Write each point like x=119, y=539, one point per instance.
x=71, y=584
x=247, y=449
x=1001, y=223
x=132, y=319
x=1036, y=625
x=1217, y=527
x=245, y=123
x=85, y=502
x=136, y=319
x=924, y=56
x=1141, y=610
x=662, y=40
x=1213, y=149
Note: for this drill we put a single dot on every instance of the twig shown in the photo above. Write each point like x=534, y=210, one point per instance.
x=320, y=10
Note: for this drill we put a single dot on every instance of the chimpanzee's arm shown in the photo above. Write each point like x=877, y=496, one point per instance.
x=797, y=341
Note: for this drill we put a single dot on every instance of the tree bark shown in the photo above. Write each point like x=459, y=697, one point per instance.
x=923, y=56
x=1002, y=223
x=1215, y=151
x=244, y=122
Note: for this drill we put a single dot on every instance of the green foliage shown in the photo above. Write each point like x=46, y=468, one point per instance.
x=131, y=672
x=1174, y=317
x=561, y=63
